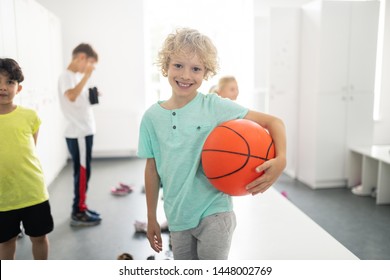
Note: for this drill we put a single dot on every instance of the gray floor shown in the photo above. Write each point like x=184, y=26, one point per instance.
x=116, y=233
x=357, y=222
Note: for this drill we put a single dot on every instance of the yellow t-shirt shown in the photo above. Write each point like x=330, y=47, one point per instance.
x=21, y=178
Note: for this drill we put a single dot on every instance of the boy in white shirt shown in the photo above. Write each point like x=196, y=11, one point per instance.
x=80, y=128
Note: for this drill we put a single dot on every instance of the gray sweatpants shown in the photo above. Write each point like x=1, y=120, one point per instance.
x=210, y=240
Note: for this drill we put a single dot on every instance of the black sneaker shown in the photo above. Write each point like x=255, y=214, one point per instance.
x=84, y=219
x=92, y=212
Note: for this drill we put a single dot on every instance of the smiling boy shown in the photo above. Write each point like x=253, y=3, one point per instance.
x=172, y=133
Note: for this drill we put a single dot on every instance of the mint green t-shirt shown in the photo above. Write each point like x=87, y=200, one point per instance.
x=174, y=138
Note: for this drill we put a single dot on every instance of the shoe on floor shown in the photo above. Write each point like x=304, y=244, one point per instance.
x=126, y=187
x=121, y=190
x=140, y=227
x=359, y=190
x=84, y=219
x=92, y=212
x=118, y=191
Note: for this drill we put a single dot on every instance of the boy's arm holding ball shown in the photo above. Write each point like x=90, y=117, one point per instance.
x=272, y=168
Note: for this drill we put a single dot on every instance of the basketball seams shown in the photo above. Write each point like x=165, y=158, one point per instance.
x=239, y=135
x=269, y=148
x=237, y=153
x=247, y=145
x=228, y=174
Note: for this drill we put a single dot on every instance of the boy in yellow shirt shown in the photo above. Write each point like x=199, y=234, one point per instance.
x=23, y=194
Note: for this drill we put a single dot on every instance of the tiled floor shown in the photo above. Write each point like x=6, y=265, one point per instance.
x=284, y=231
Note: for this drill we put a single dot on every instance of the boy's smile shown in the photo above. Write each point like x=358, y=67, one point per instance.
x=183, y=85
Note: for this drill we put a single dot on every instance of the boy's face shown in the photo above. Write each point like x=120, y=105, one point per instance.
x=8, y=89
x=185, y=75
x=85, y=62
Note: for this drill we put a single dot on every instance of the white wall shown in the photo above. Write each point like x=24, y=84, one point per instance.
x=7, y=29
x=261, y=13
x=39, y=55
x=262, y=7
x=261, y=58
x=115, y=29
x=276, y=66
x=382, y=126
x=283, y=67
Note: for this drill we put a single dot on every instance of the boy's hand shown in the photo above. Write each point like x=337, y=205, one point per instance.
x=154, y=236
x=89, y=69
x=272, y=168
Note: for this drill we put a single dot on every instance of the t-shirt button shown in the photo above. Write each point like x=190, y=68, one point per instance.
x=174, y=127
x=174, y=113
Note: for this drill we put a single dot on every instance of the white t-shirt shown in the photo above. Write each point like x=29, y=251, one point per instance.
x=78, y=114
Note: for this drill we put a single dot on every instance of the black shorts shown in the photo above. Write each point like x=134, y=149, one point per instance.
x=37, y=221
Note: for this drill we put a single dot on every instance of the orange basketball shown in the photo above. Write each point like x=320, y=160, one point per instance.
x=231, y=153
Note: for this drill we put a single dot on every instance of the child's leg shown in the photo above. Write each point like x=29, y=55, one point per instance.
x=9, y=231
x=88, y=144
x=79, y=175
x=40, y=247
x=184, y=245
x=8, y=249
x=81, y=152
x=38, y=222
x=210, y=240
x=214, y=235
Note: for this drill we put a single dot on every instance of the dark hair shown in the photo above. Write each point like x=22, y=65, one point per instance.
x=87, y=49
x=125, y=256
x=12, y=69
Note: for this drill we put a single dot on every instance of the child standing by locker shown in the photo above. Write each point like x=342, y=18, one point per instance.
x=23, y=194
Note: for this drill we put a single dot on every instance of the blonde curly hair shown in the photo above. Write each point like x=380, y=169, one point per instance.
x=189, y=41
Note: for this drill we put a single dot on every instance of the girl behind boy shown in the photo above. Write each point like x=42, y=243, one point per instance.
x=228, y=87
